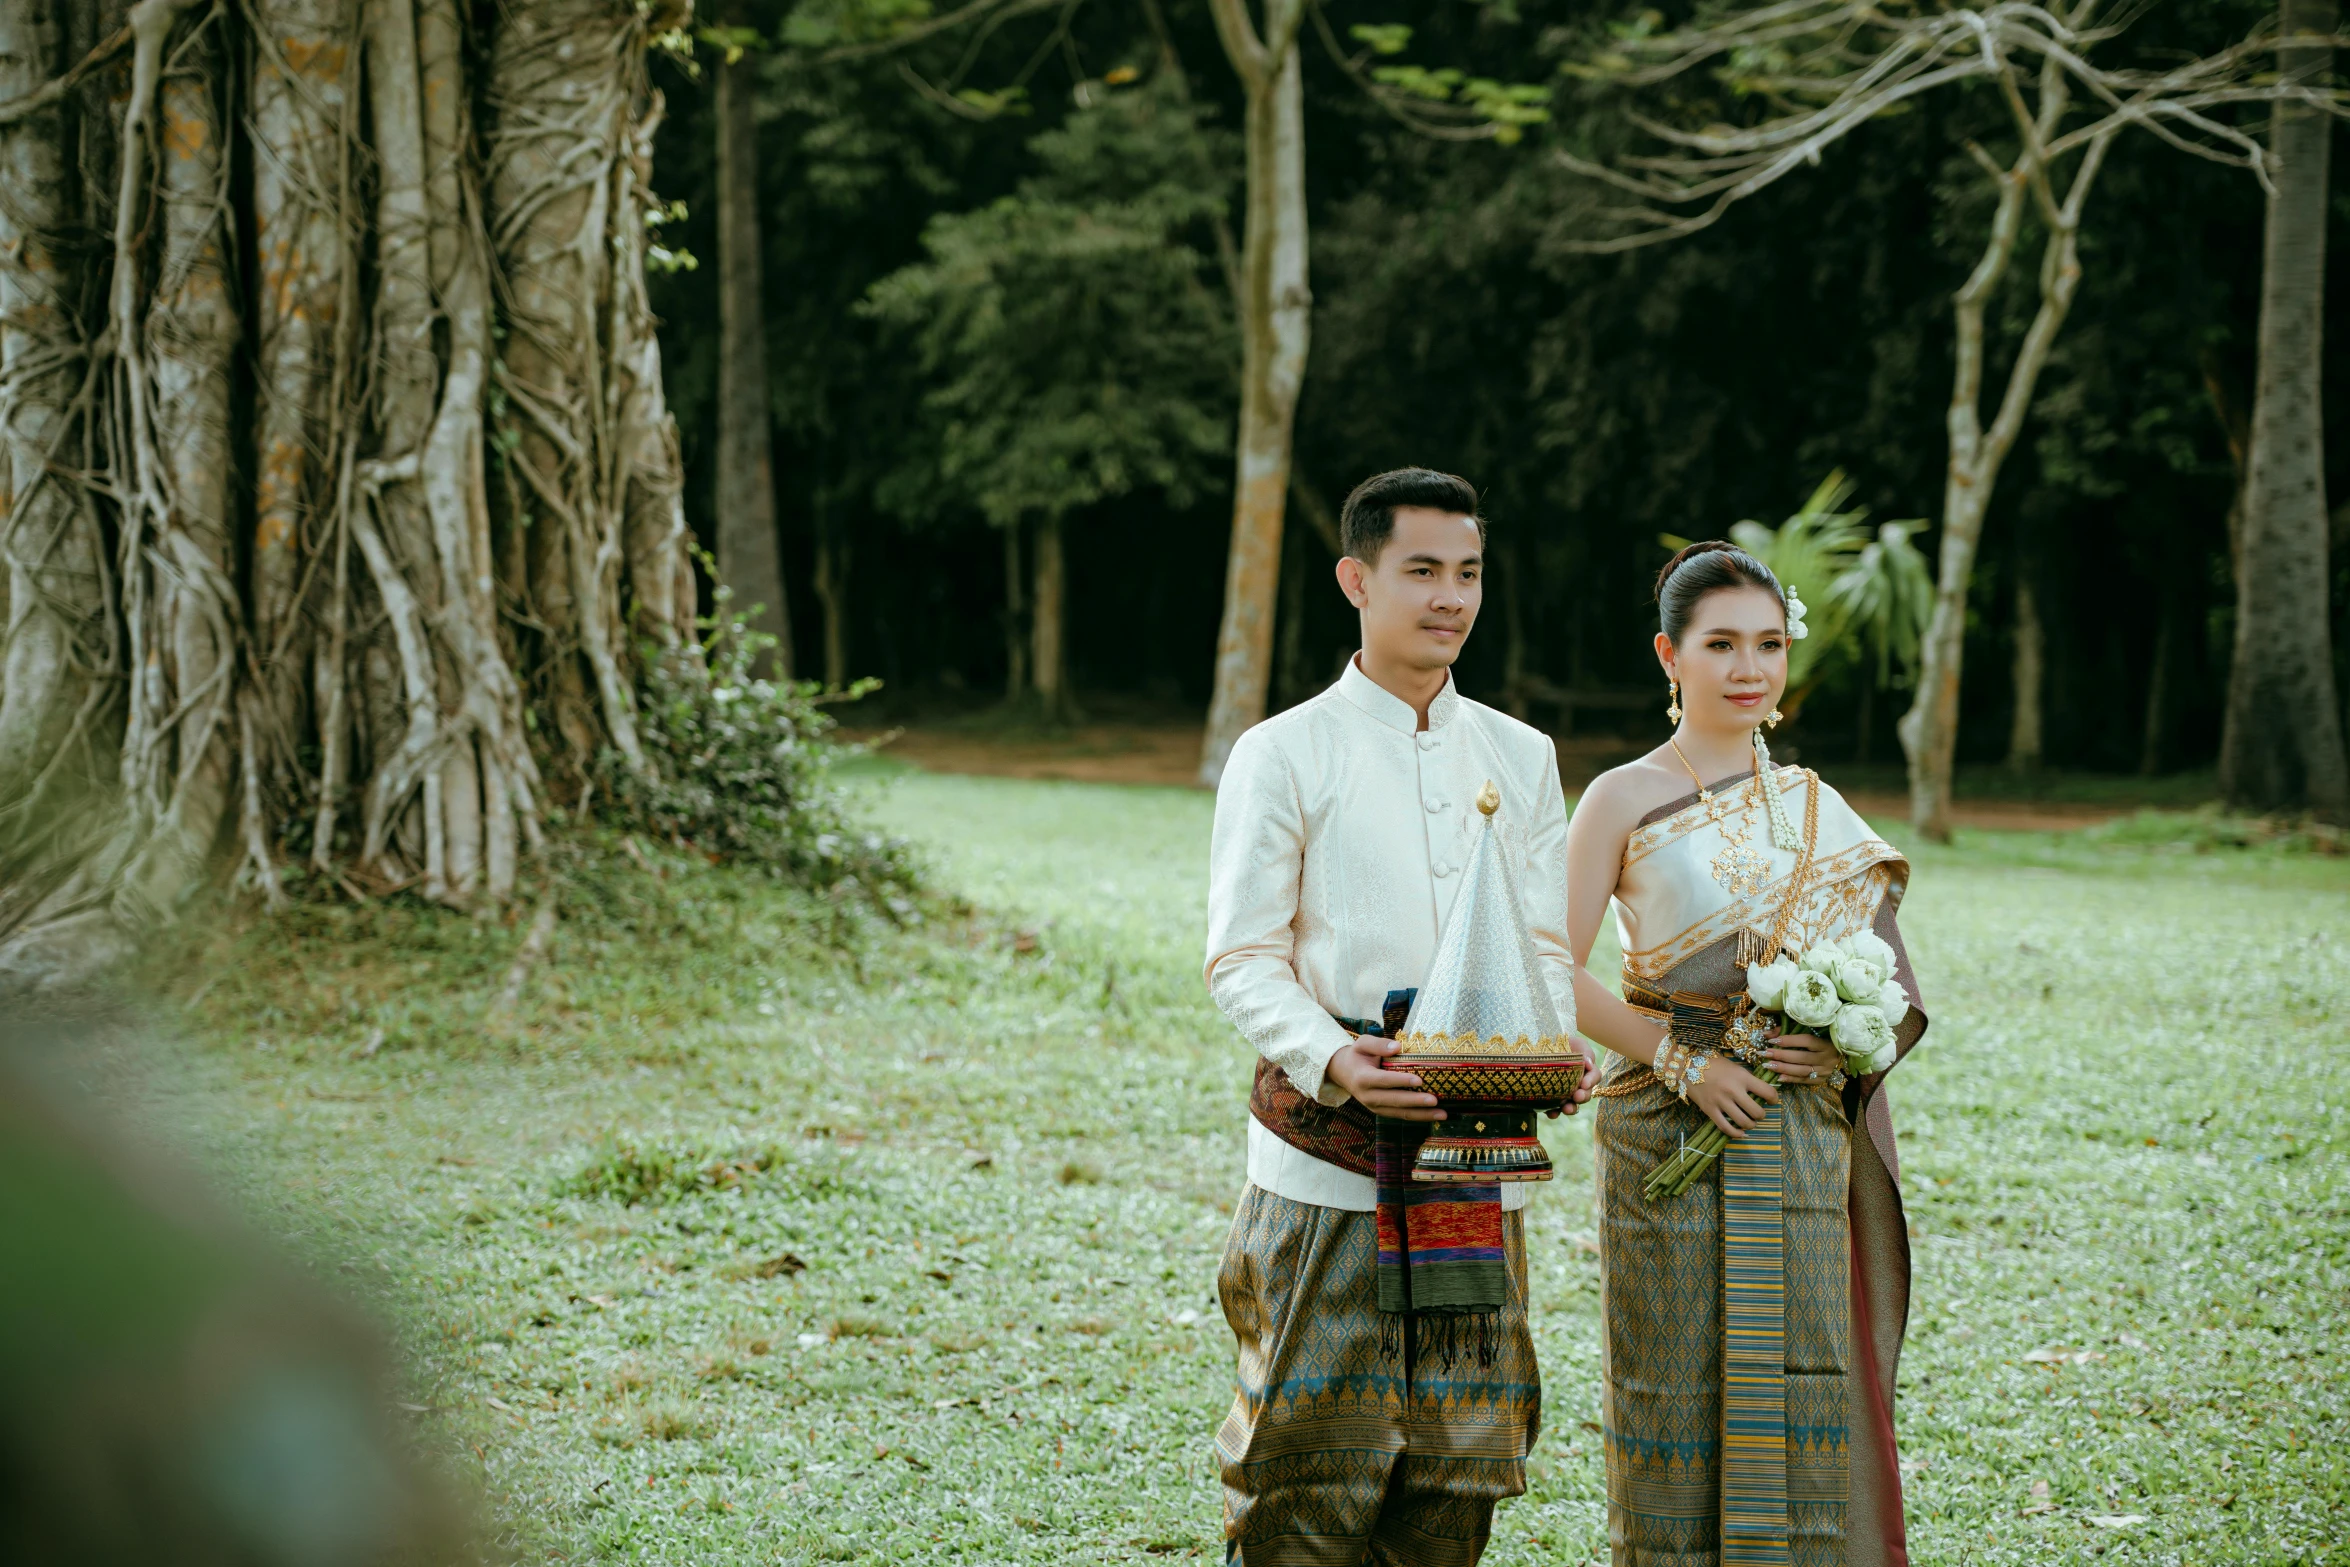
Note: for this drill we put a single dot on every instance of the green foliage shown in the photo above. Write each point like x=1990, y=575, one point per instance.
x=1509, y=107
x=1886, y=596
x=1505, y=108
x=1078, y=330
x=1381, y=37
x=732, y=43
x=631, y=1173
x=2211, y=830
x=827, y=24
x=661, y=258
x=743, y=769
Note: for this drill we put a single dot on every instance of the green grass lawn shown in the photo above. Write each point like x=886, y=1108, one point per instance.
x=760, y=1232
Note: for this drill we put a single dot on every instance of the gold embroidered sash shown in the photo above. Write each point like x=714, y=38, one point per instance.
x=1710, y=870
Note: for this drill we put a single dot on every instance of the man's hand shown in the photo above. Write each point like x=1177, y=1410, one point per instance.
x=1583, y=1086
x=1360, y=1068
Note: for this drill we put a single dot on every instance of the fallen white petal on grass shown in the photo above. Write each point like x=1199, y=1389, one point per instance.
x=2115, y=1520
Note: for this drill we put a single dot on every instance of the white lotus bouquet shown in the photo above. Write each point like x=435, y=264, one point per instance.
x=1842, y=991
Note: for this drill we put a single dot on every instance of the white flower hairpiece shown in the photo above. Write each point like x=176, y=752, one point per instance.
x=1796, y=629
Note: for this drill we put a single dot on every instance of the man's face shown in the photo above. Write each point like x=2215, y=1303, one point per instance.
x=1421, y=596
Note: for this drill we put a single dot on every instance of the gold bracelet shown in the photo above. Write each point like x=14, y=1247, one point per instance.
x=1670, y=1058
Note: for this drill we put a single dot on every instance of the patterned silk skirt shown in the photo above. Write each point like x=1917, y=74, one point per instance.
x=1729, y=1338
x=1343, y=1447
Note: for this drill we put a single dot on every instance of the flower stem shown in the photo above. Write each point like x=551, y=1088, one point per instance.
x=1689, y=1161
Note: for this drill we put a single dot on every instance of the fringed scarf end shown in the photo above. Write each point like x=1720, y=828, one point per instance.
x=1444, y=1338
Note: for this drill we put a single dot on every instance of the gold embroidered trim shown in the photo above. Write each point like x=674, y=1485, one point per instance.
x=1417, y=1043
x=1844, y=898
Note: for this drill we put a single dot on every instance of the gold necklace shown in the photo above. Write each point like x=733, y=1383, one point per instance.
x=1703, y=793
x=1737, y=868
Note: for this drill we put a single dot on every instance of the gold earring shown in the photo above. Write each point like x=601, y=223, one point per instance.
x=1773, y=720
x=1673, y=712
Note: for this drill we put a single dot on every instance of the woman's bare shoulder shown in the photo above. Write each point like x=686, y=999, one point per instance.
x=1619, y=797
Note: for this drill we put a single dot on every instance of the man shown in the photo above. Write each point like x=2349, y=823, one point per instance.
x=1342, y=829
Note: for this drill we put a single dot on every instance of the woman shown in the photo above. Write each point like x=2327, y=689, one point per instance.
x=1748, y=1408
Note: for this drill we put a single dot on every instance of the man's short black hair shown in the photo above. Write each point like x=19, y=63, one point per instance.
x=1368, y=521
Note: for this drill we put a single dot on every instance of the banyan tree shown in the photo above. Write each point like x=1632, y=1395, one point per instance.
x=341, y=500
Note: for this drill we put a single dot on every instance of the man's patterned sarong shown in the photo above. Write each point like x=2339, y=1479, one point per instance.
x=1340, y=1448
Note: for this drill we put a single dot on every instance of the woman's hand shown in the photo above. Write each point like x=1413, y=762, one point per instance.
x=1804, y=1059
x=1732, y=1097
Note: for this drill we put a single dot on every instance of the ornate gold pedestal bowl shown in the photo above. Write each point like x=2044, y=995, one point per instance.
x=1490, y=1109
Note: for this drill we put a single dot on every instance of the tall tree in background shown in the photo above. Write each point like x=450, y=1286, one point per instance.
x=1081, y=330
x=1845, y=63
x=1276, y=309
x=2025, y=742
x=750, y=553
x=446, y=548
x=2282, y=744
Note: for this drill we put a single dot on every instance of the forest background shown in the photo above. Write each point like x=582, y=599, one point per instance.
x=568, y=1008
x=995, y=311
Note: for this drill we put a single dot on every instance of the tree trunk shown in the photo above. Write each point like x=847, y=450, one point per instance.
x=1513, y=647
x=56, y=705
x=2281, y=746
x=750, y=559
x=832, y=592
x=2023, y=735
x=1049, y=657
x=303, y=122
x=2160, y=672
x=1929, y=730
x=364, y=652
x=1015, y=618
x=179, y=758
x=567, y=88
x=1275, y=319
x=1289, y=674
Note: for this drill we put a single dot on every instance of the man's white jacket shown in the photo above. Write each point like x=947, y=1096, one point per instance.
x=1341, y=834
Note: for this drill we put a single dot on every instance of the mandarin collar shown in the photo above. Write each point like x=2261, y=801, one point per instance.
x=1392, y=710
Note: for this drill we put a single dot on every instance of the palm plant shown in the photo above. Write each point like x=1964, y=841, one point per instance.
x=1872, y=591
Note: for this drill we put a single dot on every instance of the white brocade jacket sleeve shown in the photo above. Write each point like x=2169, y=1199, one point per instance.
x=1256, y=862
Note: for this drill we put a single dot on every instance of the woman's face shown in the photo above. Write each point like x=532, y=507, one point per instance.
x=1732, y=661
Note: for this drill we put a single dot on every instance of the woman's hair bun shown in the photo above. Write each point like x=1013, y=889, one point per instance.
x=1685, y=552
x=1708, y=566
